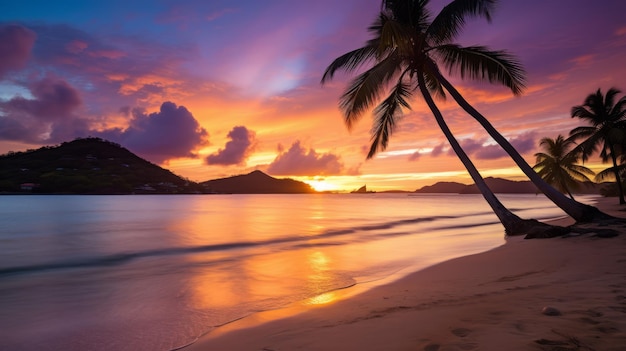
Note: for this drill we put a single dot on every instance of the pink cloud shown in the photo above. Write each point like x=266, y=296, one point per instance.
x=173, y=132
x=16, y=44
x=298, y=161
x=236, y=150
x=583, y=60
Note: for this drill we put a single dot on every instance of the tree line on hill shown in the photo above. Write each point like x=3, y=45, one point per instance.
x=97, y=166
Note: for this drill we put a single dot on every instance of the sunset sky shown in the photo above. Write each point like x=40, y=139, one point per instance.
x=210, y=89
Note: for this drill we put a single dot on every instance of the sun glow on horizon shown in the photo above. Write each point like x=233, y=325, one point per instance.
x=322, y=185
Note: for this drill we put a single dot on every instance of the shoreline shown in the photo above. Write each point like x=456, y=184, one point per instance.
x=475, y=302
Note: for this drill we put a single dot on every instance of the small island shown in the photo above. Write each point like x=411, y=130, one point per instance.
x=98, y=166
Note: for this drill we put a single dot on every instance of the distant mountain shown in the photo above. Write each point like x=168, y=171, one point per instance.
x=87, y=166
x=500, y=186
x=442, y=188
x=503, y=186
x=256, y=182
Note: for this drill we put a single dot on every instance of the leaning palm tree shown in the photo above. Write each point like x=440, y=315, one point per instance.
x=558, y=165
x=606, y=131
x=407, y=45
x=403, y=50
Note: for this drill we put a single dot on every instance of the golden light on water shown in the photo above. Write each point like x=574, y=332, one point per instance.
x=319, y=280
x=319, y=261
x=322, y=299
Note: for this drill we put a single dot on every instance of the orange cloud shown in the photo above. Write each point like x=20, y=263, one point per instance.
x=583, y=60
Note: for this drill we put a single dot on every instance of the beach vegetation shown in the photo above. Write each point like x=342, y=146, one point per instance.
x=406, y=54
x=404, y=57
x=558, y=165
x=605, y=133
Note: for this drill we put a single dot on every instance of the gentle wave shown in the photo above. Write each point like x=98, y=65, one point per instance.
x=373, y=231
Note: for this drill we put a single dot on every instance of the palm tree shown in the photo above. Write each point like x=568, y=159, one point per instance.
x=404, y=48
x=559, y=166
x=606, y=131
x=579, y=211
x=407, y=45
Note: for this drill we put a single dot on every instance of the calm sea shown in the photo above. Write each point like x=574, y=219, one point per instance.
x=155, y=272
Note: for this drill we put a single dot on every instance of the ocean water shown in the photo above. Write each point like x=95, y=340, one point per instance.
x=155, y=272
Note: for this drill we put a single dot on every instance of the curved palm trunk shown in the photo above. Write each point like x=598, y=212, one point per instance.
x=513, y=225
x=570, y=194
x=565, y=188
x=618, y=179
x=579, y=211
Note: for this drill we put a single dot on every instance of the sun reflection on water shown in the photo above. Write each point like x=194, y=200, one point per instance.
x=322, y=299
x=320, y=279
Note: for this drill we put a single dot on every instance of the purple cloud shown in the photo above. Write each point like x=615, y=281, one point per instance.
x=16, y=44
x=236, y=150
x=53, y=106
x=124, y=69
x=415, y=156
x=523, y=143
x=298, y=161
x=437, y=150
x=173, y=132
x=51, y=116
x=470, y=146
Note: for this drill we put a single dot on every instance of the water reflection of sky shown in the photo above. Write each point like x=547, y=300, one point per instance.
x=175, y=285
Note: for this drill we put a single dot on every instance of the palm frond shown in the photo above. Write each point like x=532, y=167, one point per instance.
x=580, y=172
x=385, y=117
x=449, y=22
x=376, y=28
x=350, y=61
x=395, y=36
x=413, y=13
x=583, y=113
x=478, y=62
x=609, y=98
x=558, y=165
x=609, y=173
x=542, y=157
x=365, y=89
x=582, y=132
x=619, y=109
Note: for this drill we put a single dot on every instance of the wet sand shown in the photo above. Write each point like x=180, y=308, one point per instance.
x=488, y=301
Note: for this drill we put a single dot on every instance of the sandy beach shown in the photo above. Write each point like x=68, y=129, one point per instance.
x=490, y=301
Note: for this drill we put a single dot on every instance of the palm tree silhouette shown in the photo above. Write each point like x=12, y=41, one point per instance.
x=606, y=118
x=559, y=166
x=404, y=50
x=407, y=45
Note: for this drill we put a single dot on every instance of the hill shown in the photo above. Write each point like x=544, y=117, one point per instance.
x=442, y=188
x=256, y=182
x=87, y=166
x=503, y=186
x=500, y=186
